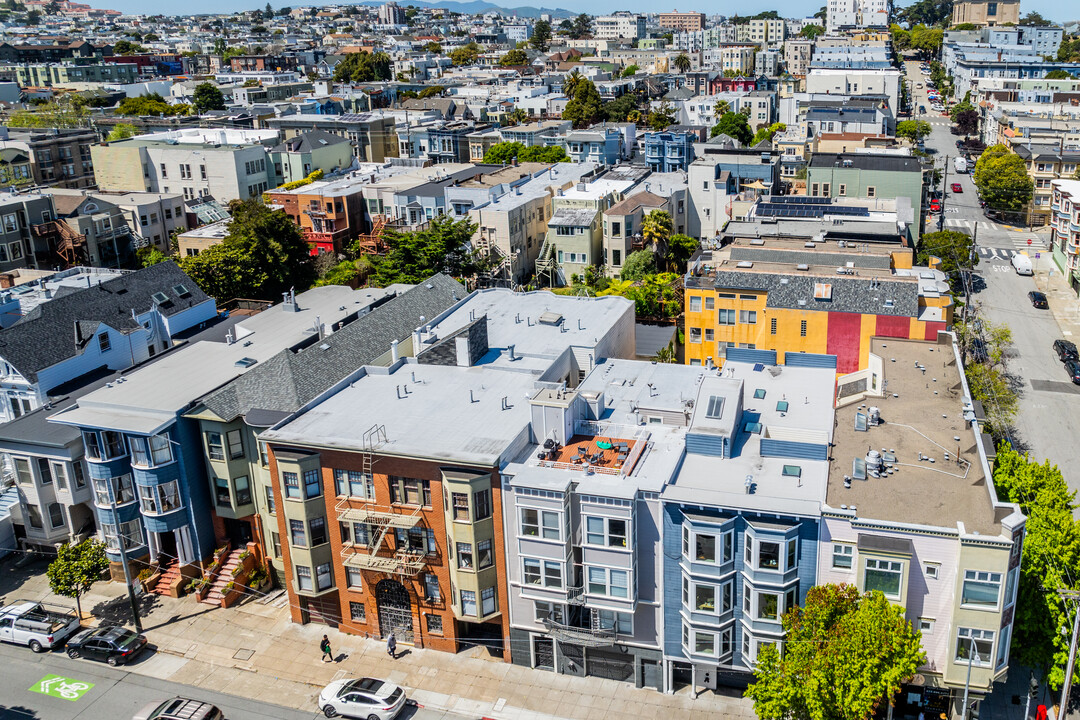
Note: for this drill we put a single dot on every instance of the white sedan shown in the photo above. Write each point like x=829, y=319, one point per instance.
x=366, y=698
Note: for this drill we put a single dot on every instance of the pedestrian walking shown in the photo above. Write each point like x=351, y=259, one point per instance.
x=327, y=655
x=391, y=646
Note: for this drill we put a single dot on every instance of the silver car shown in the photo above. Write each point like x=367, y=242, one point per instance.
x=366, y=698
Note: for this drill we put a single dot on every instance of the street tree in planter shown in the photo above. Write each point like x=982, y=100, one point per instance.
x=1002, y=179
x=844, y=655
x=76, y=568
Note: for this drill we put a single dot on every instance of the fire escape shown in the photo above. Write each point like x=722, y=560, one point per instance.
x=64, y=242
x=380, y=521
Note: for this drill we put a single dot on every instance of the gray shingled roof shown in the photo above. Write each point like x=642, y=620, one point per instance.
x=56, y=330
x=306, y=142
x=849, y=294
x=287, y=381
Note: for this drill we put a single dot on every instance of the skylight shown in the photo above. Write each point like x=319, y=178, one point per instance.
x=716, y=407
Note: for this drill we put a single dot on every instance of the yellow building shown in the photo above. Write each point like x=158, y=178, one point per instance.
x=820, y=295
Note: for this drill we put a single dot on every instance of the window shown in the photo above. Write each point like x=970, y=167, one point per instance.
x=59, y=472
x=158, y=499
x=695, y=303
x=303, y=577
x=312, y=486
x=416, y=540
x=468, y=602
x=114, y=444
x=843, y=190
x=324, y=579
x=792, y=552
x=482, y=504
x=465, y=556
x=354, y=484
x=104, y=344
x=748, y=317
x=768, y=606
x=214, y=446
x=122, y=490
x=275, y=543
x=92, y=445
x=56, y=515
x=292, y=485
x=883, y=575
x=236, y=444
x=488, y=603
x=931, y=570
x=360, y=533
x=410, y=491
x=725, y=317
x=926, y=626
x=716, y=407
x=768, y=556
x=24, y=474
x=431, y=588
x=33, y=513
x=981, y=589
x=842, y=555
x=605, y=531
x=802, y=328
x=297, y=535
x=540, y=523
x=547, y=611
x=460, y=504
x=547, y=573
x=358, y=612
x=130, y=532
x=484, y=555
x=695, y=335
x=981, y=641
x=271, y=504
x=609, y=582
x=772, y=326
x=621, y=623
x=318, y=531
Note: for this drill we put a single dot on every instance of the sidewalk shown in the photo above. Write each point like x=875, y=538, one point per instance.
x=1062, y=299
x=253, y=650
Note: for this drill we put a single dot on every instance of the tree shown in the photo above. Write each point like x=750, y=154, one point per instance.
x=541, y=37
x=465, y=55
x=735, y=126
x=925, y=40
x=126, y=47
x=953, y=248
x=767, y=133
x=811, y=31
x=121, y=131
x=680, y=248
x=967, y=122
x=207, y=97
x=1034, y=18
x=721, y=108
x=901, y=38
x=433, y=47
x=1058, y=75
x=585, y=107
x=150, y=104
x=582, y=23
x=414, y=256
x=65, y=112
x=514, y=57
x=363, y=67
x=1002, y=180
x=344, y=273
x=844, y=655
x=151, y=37
x=926, y=12
x=638, y=265
x=148, y=256
x=503, y=153
x=630, y=71
x=619, y=109
x=913, y=130
x=263, y=254
x=656, y=229
x=33, y=17
x=1049, y=561
x=76, y=568
x=268, y=12
x=682, y=62
x=662, y=117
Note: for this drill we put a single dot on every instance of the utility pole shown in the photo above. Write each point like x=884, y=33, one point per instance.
x=1067, y=689
x=944, y=186
x=122, y=542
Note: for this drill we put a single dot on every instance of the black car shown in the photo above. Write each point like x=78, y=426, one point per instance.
x=1038, y=299
x=114, y=645
x=1073, y=368
x=1066, y=350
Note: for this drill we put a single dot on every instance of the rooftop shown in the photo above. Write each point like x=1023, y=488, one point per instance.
x=572, y=217
x=209, y=137
x=922, y=416
x=863, y=161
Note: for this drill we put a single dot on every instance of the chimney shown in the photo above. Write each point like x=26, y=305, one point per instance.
x=7, y=280
x=393, y=351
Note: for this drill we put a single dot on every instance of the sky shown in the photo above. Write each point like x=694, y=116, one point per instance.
x=1051, y=9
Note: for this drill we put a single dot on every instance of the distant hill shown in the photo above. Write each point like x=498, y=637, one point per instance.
x=478, y=7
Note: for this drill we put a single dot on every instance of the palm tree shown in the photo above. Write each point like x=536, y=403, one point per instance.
x=682, y=62
x=722, y=108
x=656, y=229
x=571, y=82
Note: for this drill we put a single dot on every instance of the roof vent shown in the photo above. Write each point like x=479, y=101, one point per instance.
x=802, y=266
x=245, y=362
x=810, y=244
x=745, y=264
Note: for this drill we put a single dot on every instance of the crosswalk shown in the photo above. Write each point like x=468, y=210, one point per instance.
x=968, y=226
x=1038, y=245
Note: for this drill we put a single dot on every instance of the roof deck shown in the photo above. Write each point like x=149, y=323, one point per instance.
x=933, y=473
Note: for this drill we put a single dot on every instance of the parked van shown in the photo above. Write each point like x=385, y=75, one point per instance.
x=1022, y=264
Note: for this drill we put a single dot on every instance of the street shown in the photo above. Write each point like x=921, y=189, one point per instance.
x=1049, y=414
x=118, y=693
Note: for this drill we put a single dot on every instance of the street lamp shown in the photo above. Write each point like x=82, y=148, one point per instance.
x=121, y=540
x=972, y=654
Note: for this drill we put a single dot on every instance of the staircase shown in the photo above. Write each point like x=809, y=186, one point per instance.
x=169, y=574
x=224, y=577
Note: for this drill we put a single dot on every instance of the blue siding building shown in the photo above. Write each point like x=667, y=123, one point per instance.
x=741, y=518
x=669, y=151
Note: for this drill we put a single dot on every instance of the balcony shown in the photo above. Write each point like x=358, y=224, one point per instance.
x=585, y=637
x=603, y=448
x=374, y=516
x=400, y=563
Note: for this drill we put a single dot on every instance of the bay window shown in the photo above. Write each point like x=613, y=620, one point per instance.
x=981, y=642
x=128, y=533
x=119, y=488
x=608, y=582
x=158, y=499
x=546, y=573
x=706, y=547
x=544, y=524
x=609, y=532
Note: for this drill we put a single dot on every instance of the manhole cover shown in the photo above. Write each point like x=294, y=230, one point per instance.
x=243, y=654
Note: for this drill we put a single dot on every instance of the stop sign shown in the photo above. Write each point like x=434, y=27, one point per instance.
x=1029, y=241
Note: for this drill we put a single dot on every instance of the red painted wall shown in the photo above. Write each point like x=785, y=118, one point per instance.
x=932, y=329
x=845, y=335
x=891, y=326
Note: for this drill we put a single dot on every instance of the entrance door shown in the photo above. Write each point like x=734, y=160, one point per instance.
x=395, y=610
x=184, y=549
x=166, y=547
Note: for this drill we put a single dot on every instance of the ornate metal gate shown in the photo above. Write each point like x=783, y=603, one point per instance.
x=395, y=610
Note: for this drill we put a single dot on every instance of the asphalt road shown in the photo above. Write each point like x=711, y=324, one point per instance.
x=116, y=694
x=1048, y=420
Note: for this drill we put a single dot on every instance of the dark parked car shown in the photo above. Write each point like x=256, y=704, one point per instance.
x=114, y=645
x=1066, y=350
x=1038, y=299
x=1073, y=368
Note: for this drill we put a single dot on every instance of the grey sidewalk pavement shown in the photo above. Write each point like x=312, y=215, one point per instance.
x=254, y=650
